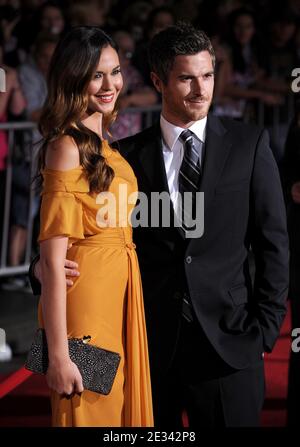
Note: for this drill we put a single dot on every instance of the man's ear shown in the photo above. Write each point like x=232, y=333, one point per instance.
x=156, y=81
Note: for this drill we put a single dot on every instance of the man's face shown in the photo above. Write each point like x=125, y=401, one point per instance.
x=188, y=93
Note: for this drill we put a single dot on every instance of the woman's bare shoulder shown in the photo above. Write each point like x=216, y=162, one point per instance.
x=62, y=154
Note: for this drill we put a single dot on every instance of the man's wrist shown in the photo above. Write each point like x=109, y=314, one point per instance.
x=33, y=267
x=35, y=283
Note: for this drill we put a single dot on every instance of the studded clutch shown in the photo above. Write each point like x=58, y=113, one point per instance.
x=98, y=367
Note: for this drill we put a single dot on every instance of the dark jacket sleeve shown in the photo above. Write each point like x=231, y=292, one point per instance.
x=34, y=282
x=269, y=240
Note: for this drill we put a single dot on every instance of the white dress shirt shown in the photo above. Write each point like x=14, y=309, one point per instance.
x=173, y=151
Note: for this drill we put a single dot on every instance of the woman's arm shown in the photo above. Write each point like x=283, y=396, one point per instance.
x=63, y=375
x=53, y=299
x=35, y=276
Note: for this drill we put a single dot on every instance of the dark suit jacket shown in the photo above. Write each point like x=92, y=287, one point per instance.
x=243, y=207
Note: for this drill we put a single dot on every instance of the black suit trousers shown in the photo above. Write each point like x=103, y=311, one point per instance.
x=212, y=393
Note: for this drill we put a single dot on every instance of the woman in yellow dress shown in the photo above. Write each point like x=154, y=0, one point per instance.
x=80, y=172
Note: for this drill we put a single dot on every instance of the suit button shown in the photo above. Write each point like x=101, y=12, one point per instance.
x=188, y=259
x=177, y=296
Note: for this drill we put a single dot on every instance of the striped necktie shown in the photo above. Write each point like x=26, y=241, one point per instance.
x=188, y=182
x=189, y=177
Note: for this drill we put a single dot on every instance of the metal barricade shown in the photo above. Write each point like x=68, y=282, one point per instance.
x=11, y=129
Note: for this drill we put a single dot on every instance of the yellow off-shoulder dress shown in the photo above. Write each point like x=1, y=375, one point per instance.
x=106, y=300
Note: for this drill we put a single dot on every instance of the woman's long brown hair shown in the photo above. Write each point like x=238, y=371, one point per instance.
x=72, y=67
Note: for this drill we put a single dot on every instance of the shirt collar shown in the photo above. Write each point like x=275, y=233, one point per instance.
x=171, y=133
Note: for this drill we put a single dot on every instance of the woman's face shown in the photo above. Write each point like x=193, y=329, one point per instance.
x=106, y=84
x=244, y=29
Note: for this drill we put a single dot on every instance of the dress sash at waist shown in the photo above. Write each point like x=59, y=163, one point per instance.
x=114, y=237
x=138, y=397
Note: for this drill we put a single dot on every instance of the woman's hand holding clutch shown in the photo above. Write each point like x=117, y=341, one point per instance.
x=63, y=376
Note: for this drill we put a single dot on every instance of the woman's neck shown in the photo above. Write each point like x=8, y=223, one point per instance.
x=93, y=122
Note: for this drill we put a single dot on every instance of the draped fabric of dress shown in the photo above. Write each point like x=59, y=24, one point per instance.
x=106, y=300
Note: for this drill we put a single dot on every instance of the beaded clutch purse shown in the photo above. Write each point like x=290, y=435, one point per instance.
x=98, y=367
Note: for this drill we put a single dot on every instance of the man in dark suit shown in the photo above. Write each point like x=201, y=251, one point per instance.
x=207, y=324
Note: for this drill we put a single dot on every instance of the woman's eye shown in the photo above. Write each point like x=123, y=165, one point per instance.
x=98, y=75
x=115, y=72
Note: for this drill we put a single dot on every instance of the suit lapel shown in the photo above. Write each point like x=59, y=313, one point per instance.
x=151, y=159
x=217, y=146
x=152, y=162
x=216, y=150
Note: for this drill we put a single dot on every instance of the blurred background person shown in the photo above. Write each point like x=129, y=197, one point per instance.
x=32, y=74
x=88, y=12
x=9, y=19
x=51, y=18
x=12, y=104
x=281, y=59
x=187, y=10
x=26, y=29
x=158, y=20
x=134, y=18
x=134, y=93
x=281, y=54
x=245, y=68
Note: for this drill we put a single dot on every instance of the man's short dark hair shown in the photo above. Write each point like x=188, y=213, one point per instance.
x=176, y=40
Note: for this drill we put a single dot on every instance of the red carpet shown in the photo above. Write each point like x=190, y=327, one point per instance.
x=276, y=369
x=28, y=405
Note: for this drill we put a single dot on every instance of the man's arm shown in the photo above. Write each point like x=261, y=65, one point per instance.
x=34, y=277
x=269, y=240
x=34, y=273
